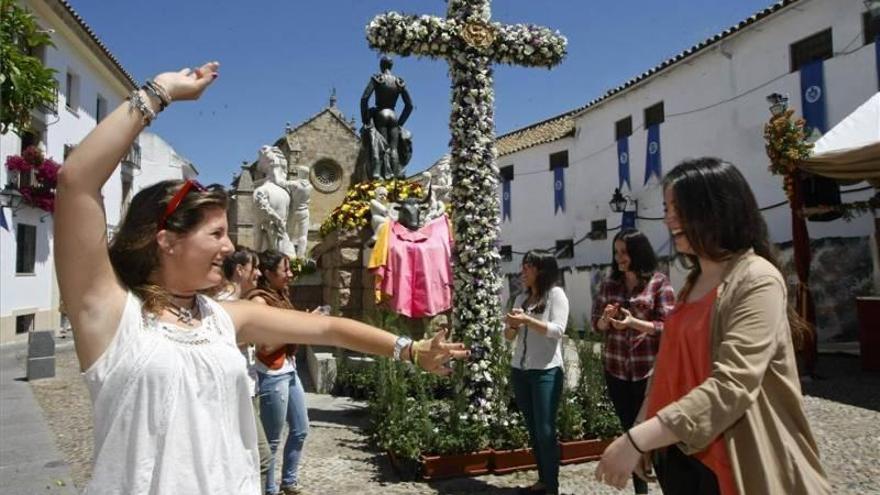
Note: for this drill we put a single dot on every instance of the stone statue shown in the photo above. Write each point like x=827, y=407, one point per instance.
x=378, y=212
x=387, y=144
x=272, y=202
x=300, y=194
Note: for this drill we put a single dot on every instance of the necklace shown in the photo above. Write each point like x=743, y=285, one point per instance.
x=184, y=315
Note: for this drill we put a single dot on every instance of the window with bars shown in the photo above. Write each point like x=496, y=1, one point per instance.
x=623, y=128
x=654, y=115
x=506, y=252
x=870, y=27
x=559, y=160
x=816, y=47
x=25, y=249
x=565, y=249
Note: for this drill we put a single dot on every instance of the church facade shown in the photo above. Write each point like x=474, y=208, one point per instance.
x=327, y=144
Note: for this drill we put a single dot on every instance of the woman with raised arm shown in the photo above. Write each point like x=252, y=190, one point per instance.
x=168, y=384
x=724, y=408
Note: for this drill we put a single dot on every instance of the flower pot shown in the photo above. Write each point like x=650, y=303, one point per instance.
x=454, y=465
x=577, y=451
x=508, y=461
x=407, y=469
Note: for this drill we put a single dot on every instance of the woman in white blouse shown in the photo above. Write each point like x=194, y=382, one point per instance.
x=169, y=387
x=537, y=322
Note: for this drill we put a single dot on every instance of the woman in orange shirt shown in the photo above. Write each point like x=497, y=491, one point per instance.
x=725, y=398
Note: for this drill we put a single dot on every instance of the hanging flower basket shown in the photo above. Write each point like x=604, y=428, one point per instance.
x=39, y=192
x=435, y=467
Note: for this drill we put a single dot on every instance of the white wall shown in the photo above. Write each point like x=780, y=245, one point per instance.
x=744, y=69
x=159, y=161
x=37, y=292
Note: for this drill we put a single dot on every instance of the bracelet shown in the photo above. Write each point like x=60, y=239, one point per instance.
x=633, y=442
x=160, y=91
x=150, y=91
x=399, y=345
x=419, y=347
x=137, y=103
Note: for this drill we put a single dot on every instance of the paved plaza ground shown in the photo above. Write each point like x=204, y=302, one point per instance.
x=843, y=411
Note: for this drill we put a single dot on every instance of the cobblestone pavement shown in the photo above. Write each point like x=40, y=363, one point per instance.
x=339, y=460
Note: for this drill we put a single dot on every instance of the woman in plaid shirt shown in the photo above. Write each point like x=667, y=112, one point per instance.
x=630, y=308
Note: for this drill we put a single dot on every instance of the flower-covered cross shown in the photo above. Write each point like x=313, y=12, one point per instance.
x=470, y=42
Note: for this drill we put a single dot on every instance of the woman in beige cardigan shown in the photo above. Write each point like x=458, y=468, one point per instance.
x=747, y=398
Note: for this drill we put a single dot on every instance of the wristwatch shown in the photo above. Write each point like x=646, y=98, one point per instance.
x=399, y=345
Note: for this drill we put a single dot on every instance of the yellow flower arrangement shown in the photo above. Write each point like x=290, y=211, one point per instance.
x=354, y=212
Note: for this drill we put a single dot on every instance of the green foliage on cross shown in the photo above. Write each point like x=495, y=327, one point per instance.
x=25, y=83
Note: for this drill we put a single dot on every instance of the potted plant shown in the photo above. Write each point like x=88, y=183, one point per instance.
x=510, y=443
x=600, y=424
x=457, y=443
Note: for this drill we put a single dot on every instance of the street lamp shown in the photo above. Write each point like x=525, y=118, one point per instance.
x=619, y=202
x=778, y=103
x=10, y=198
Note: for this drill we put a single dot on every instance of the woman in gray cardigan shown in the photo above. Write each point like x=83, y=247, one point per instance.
x=537, y=322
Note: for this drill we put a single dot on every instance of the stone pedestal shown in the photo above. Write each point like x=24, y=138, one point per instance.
x=41, y=355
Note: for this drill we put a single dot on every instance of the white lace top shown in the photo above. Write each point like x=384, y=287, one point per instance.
x=172, y=408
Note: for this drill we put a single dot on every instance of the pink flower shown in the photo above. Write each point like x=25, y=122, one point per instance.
x=15, y=162
x=47, y=173
x=32, y=155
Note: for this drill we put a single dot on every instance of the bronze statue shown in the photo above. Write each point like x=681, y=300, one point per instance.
x=387, y=144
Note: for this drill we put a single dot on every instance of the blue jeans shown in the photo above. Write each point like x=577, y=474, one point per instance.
x=537, y=394
x=282, y=397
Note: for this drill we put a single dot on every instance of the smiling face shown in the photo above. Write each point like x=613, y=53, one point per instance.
x=621, y=256
x=529, y=275
x=674, y=224
x=194, y=260
x=280, y=277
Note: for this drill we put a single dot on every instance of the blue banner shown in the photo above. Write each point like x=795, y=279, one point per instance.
x=505, y=200
x=559, y=189
x=623, y=163
x=3, y=224
x=652, y=162
x=628, y=220
x=813, y=96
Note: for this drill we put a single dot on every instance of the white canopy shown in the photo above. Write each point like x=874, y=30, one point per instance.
x=851, y=150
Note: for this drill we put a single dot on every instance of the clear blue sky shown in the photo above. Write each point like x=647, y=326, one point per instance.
x=280, y=59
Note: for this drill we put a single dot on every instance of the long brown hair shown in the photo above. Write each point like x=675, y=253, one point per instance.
x=134, y=250
x=720, y=218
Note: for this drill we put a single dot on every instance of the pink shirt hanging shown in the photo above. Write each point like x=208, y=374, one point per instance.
x=417, y=276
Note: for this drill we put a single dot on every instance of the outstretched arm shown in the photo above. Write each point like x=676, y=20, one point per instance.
x=93, y=295
x=274, y=326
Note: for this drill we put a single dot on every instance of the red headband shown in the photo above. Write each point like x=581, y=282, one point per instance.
x=178, y=198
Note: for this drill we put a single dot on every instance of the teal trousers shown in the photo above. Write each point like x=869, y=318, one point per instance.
x=537, y=395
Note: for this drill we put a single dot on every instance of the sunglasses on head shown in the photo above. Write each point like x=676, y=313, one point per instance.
x=178, y=198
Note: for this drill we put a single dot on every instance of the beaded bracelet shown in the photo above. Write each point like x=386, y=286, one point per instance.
x=160, y=92
x=152, y=92
x=137, y=102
